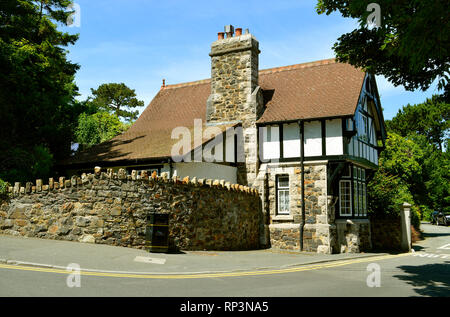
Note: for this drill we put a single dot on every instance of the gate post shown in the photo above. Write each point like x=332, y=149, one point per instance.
x=406, y=227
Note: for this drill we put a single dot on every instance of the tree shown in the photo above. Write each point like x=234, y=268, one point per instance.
x=410, y=48
x=430, y=119
x=435, y=189
x=402, y=157
x=98, y=127
x=399, y=179
x=37, y=91
x=117, y=98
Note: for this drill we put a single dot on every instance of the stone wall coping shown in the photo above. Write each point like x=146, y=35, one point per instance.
x=143, y=177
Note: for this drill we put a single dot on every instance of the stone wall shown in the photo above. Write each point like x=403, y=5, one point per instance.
x=354, y=235
x=386, y=233
x=319, y=229
x=110, y=208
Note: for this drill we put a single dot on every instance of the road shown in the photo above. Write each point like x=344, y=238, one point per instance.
x=425, y=272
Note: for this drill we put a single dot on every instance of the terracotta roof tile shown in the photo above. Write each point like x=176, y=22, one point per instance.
x=312, y=90
x=303, y=91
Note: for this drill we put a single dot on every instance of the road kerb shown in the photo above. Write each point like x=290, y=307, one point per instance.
x=305, y=267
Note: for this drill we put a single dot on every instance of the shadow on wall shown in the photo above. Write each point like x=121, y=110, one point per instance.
x=428, y=280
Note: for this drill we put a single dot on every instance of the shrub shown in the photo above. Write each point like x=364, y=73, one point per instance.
x=3, y=189
x=386, y=194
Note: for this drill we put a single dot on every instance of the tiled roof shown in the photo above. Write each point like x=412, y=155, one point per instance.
x=311, y=90
x=303, y=91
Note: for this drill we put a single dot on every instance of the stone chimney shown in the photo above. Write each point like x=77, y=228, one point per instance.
x=234, y=79
x=235, y=94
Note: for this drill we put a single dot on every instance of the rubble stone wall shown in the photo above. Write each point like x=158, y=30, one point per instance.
x=110, y=208
x=386, y=233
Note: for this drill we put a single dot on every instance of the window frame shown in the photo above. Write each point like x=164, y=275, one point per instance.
x=283, y=189
x=349, y=182
x=358, y=192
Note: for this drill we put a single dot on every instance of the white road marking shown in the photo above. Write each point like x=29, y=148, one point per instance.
x=445, y=247
x=430, y=255
x=146, y=259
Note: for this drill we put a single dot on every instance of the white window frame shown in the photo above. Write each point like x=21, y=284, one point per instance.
x=355, y=198
x=364, y=190
x=284, y=189
x=349, y=200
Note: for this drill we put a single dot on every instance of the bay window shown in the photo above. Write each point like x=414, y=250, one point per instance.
x=353, y=193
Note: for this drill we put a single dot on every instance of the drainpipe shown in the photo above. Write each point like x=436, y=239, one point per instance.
x=302, y=165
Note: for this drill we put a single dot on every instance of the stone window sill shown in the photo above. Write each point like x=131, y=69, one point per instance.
x=283, y=218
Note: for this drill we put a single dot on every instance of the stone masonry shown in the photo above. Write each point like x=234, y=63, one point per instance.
x=110, y=208
x=319, y=228
x=236, y=97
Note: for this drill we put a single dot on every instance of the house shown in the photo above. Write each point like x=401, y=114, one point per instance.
x=307, y=136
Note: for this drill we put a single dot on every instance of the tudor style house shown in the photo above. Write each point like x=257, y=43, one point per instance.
x=307, y=136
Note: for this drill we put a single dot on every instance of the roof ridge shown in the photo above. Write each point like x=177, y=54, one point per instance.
x=297, y=66
x=261, y=72
x=190, y=83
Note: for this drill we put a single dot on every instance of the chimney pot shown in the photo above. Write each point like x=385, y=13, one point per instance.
x=229, y=29
x=238, y=31
x=163, y=83
x=220, y=35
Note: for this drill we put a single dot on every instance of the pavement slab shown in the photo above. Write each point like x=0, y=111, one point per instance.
x=104, y=258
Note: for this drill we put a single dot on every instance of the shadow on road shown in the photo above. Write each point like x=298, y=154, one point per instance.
x=428, y=280
x=418, y=248
x=432, y=235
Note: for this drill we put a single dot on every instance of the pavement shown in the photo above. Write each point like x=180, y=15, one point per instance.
x=103, y=258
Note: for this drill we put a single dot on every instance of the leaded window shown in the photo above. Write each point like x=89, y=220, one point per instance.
x=345, y=196
x=353, y=192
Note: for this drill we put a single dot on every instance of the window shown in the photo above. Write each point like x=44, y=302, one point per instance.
x=345, y=198
x=283, y=195
x=353, y=193
x=355, y=198
x=363, y=127
x=364, y=200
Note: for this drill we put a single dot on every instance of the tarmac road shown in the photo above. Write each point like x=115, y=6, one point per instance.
x=113, y=271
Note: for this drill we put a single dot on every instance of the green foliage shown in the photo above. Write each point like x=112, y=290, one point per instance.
x=425, y=212
x=386, y=193
x=410, y=48
x=437, y=180
x=117, y=99
x=25, y=164
x=3, y=189
x=411, y=170
x=37, y=91
x=430, y=119
x=98, y=127
x=397, y=179
x=426, y=125
x=402, y=157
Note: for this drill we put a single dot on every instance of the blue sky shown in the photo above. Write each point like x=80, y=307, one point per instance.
x=140, y=42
